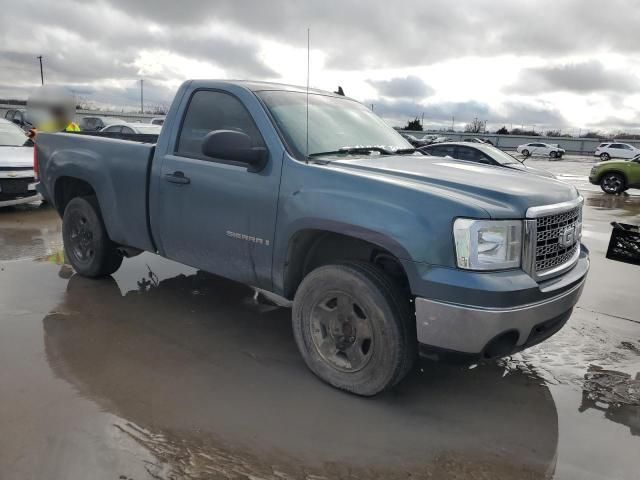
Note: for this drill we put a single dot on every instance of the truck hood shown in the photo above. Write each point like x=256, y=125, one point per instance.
x=13, y=157
x=501, y=192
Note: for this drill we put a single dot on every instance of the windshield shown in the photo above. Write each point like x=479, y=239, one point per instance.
x=11, y=135
x=149, y=129
x=334, y=123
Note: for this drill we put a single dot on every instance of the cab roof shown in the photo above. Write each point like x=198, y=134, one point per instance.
x=256, y=86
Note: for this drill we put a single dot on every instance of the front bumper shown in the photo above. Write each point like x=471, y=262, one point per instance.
x=19, y=201
x=493, y=331
x=18, y=187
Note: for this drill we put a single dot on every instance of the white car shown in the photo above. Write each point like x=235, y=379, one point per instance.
x=538, y=148
x=157, y=121
x=142, y=128
x=17, y=184
x=607, y=151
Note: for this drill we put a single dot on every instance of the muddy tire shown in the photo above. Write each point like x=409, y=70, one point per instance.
x=613, y=183
x=87, y=247
x=355, y=327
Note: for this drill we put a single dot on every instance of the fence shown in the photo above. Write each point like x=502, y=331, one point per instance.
x=126, y=116
x=579, y=146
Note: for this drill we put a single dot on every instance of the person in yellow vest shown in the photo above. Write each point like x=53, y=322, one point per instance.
x=60, y=122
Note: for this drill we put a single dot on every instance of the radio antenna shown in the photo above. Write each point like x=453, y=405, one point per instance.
x=308, y=63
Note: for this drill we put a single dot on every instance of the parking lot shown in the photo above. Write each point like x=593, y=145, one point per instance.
x=166, y=372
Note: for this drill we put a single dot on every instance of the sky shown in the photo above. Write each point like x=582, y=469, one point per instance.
x=572, y=65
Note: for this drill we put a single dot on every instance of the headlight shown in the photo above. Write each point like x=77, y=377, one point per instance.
x=488, y=244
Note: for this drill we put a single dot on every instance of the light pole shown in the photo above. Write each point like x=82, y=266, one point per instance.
x=41, y=72
x=141, y=96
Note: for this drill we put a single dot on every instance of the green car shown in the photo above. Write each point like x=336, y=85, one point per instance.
x=616, y=176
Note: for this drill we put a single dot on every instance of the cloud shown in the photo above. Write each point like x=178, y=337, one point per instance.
x=94, y=42
x=407, y=87
x=585, y=77
x=375, y=33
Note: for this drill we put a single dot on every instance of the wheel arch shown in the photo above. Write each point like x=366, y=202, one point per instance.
x=66, y=188
x=619, y=172
x=311, y=247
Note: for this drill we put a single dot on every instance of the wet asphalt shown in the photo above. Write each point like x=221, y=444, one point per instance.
x=166, y=372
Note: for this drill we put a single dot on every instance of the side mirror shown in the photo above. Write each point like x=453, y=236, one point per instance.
x=234, y=147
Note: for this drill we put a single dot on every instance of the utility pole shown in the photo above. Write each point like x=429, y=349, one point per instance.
x=422, y=120
x=372, y=107
x=453, y=119
x=41, y=72
x=141, y=96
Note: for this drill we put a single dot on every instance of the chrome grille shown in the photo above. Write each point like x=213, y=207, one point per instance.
x=549, y=252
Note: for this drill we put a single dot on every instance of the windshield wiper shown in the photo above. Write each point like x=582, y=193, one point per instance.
x=364, y=150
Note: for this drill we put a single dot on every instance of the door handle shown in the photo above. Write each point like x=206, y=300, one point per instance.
x=177, y=177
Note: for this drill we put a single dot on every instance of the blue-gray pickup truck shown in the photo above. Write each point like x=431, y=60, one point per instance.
x=383, y=253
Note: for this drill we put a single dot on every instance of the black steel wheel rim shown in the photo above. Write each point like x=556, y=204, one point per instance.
x=341, y=331
x=612, y=183
x=81, y=238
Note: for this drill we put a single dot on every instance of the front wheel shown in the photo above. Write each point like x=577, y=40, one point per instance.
x=354, y=328
x=86, y=244
x=525, y=153
x=612, y=183
x=553, y=154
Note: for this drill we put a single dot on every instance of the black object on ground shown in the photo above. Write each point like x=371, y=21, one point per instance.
x=624, y=245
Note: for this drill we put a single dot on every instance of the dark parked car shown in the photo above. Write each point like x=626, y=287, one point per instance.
x=481, y=153
x=18, y=117
x=95, y=124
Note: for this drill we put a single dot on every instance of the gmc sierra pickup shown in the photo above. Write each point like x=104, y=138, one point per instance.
x=313, y=200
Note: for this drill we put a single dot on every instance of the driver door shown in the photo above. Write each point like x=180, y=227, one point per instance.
x=214, y=215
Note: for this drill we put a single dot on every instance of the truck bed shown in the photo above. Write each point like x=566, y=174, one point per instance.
x=134, y=137
x=117, y=169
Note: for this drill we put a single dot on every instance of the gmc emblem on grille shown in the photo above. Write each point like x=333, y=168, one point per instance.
x=567, y=236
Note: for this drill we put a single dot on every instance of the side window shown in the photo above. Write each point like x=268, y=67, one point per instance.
x=472, y=155
x=626, y=147
x=437, y=151
x=114, y=129
x=127, y=130
x=615, y=145
x=209, y=111
x=449, y=150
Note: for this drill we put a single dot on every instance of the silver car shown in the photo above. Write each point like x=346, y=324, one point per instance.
x=130, y=128
x=17, y=184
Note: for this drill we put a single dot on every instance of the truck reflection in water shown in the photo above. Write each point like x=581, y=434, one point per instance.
x=209, y=381
x=616, y=394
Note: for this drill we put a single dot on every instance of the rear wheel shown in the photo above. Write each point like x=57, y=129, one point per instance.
x=525, y=153
x=86, y=244
x=612, y=183
x=354, y=327
x=553, y=154
x=604, y=156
